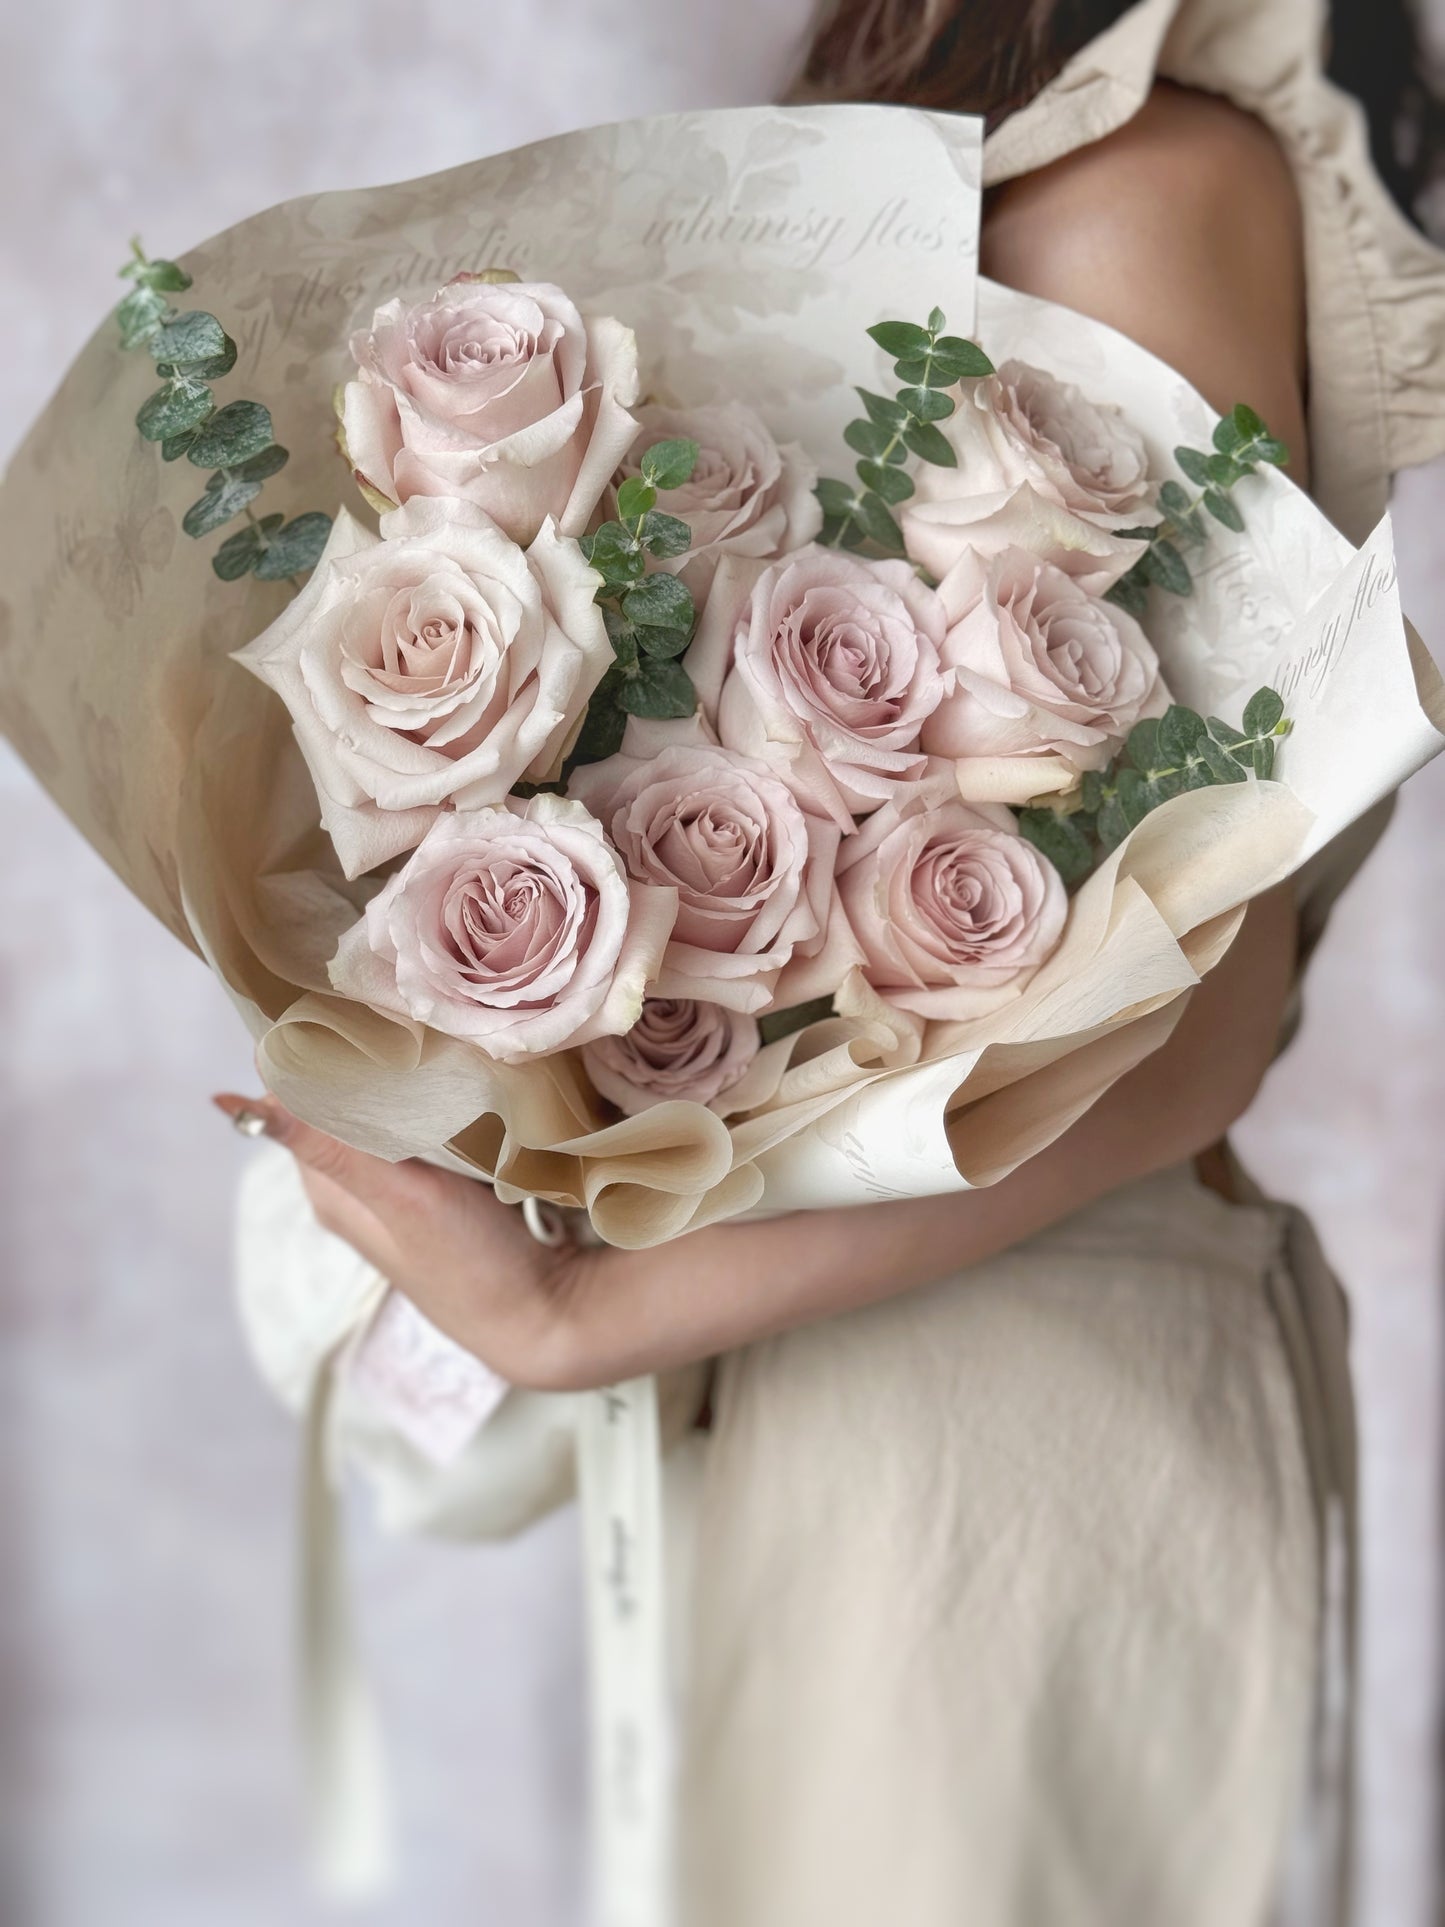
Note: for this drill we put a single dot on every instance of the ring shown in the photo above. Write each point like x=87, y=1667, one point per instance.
x=544, y=1223
x=249, y=1124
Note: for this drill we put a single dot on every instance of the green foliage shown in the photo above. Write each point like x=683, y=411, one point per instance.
x=927, y=362
x=650, y=615
x=784, y=1023
x=235, y=443
x=1163, y=757
x=1241, y=443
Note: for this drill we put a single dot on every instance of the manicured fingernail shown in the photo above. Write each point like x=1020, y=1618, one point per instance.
x=246, y=1115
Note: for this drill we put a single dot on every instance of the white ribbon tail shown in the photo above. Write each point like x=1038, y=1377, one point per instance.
x=620, y=1487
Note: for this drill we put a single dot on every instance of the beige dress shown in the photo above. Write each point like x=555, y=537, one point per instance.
x=1026, y=1600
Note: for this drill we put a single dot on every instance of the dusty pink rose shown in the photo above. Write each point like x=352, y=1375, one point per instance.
x=495, y=392
x=953, y=909
x=834, y=669
x=515, y=929
x=435, y=667
x=746, y=495
x=940, y=530
x=1048, y=680
x=1022, y=426
x=757, y=921
x=677, y=1049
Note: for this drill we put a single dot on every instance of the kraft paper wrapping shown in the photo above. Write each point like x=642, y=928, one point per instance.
x=749, y=249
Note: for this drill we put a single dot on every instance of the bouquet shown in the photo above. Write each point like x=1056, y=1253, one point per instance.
x=686, y=742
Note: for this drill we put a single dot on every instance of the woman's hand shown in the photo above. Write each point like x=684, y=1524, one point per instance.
x=467, y=1261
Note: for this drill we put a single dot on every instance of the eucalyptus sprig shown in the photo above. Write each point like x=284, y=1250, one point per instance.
x=1163, y=757
x=927, y=361
x=1241, y=443
x=235, y=443
x=650, y=615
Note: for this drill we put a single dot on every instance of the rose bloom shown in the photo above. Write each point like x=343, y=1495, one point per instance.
x=437, y=666
x=498, y=393
x=954, y=910
x=756, y=918
x=746, y=495
x=1048, y=680
x=677, y=1049
x=834, y=670
x=940, y=530
x=515, y=929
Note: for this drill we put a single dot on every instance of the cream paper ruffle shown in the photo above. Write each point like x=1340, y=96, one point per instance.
x=749, y=249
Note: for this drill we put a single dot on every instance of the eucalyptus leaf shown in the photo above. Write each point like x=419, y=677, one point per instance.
x=1194, y=464
x=893, y=484
x=1223, y=471
x=899, y=338
x=660, y=602
x=937, y=321
x=958, y=360
x=1162, y=563
x=875, y=519
x=662, y=691
x=180, y=405
x=872, y=439
x=295, y=548
x=837, y=498
x=1264, y=758
x=164, y=276
x=239, y=554
x=1219, y=762
x=634, y=498
x=224, y=497
x=1181, y=731
x=1223, y=510
x=1143, y=746
x=926, y=404
x=664, y=536
x=1263, y=712
x=663, y=644
x=209, y=370
x=139, y=315
x=189, y=338
x=1224, y=733
x=930, y=444
x=267, y=462
x=1273, y=451
x=1175, y=502
x=669, y=464
x=233, y=435
x=601, y=734
x=1226, y=436
x=891, y=414
x=1114, y=825
x=174, y=446
x=1249, y=424
x=1130, y=592
x=1060, y=839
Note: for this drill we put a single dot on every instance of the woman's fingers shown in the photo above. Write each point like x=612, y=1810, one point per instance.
x=466, y=1260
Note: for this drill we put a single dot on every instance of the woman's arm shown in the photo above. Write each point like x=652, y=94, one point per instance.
x=1182, y=230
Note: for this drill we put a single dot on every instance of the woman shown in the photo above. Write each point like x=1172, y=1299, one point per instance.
x=1018, y=1591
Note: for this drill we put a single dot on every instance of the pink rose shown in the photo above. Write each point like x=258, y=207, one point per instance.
x=953, y=909
x=1022, y=425
x=753, y=871
x=939, y=531
x=677, y=1049
x=435, y=667
x=746, y=495
x=1048, y=680
x=515, y=929
x=498, y=393
x=834, y=670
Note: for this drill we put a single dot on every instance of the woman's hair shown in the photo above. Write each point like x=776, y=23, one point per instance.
x=990, y=57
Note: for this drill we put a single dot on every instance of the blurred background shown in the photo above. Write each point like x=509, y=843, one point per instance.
x=147, y=1766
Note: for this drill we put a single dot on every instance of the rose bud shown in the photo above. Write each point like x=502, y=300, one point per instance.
x=677, y=1049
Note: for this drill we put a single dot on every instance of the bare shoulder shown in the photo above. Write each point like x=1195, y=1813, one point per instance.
x=1183, y=230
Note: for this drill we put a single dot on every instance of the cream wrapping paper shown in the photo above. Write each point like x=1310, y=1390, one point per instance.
x=749, y=249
